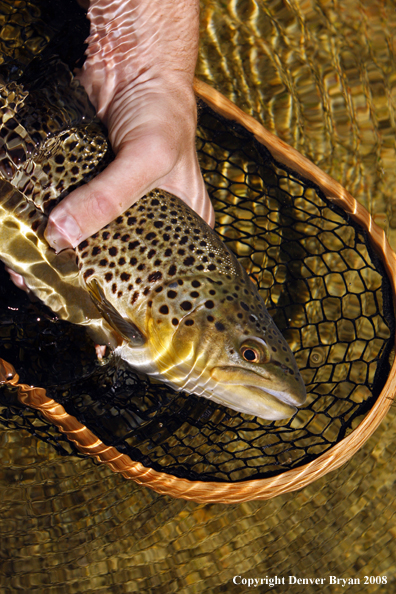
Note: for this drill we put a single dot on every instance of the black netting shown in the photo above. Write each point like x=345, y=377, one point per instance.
x=323, y=285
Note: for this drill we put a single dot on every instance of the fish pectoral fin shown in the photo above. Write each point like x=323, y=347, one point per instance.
x=123, y=326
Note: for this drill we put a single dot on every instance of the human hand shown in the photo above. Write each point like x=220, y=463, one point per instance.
x=139, y=75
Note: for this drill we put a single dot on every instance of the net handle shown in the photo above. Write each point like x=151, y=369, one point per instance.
x=291, y=480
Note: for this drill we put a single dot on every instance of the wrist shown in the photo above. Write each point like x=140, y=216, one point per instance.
x=135, y=43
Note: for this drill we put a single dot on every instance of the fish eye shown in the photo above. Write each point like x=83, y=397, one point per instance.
x=250, y=354
x=254, y=352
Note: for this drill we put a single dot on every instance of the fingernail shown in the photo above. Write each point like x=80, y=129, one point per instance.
x=63, y=232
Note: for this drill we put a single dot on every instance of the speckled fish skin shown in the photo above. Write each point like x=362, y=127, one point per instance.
x=187, y=311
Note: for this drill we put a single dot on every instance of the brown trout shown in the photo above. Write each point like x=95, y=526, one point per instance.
x=157, y=284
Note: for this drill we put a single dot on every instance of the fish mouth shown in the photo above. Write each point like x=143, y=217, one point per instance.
x=250, y=393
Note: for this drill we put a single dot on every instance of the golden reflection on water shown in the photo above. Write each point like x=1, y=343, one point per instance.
x=322, y=76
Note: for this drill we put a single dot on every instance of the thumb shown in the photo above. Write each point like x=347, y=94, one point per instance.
x=135, y=171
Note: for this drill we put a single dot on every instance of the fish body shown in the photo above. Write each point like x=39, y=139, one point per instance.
x=186, y=310
x=157, y=284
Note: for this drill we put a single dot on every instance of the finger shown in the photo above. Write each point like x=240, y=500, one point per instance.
x=137, y=169
x=134, y=172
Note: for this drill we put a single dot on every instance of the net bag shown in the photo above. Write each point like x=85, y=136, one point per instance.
x=326, y=273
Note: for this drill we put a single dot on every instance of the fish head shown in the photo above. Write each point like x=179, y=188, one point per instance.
x=223, y=344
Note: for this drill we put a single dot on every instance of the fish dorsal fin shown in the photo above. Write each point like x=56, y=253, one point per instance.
x=123, y=326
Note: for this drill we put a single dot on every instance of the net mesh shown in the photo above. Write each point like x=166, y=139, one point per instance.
x=322, y=283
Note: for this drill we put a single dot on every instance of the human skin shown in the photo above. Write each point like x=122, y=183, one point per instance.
x=138, y=74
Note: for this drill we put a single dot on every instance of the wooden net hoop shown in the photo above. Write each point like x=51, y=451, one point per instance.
x=222, y=492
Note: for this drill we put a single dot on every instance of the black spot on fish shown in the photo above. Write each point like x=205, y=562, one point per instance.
x=189, y=322
x=159, y=289
x=240, y=316
x=108, y=276
x=88, y=273
x=181, y=252
x=168, y=252
x=117, y=235
x=186, y=305
x=196, y=284
x=166, y=237
x=189, y=261
x=150, y=236
x=134, y=297
x=125, y=237
x=212, y=292
x=83, y=245
x=125, y=276
x=154, y=202
x=194, y=294
x=172, y=294
x=119, y=220
x=113, y=251
x=155, y=276
x=211, y=267
x=158, y=224
x=113, y=288
x=164, y=309
x=219, y=326
x=175, y=321
x=209, y=304
x=103, y=262
x=141, y=266
x=146, y=291
x=96, y=250
x=132, y=221
x=244, y=306
x=210, y=319
x=133, y=245
x=172, y=270
x=151, y=254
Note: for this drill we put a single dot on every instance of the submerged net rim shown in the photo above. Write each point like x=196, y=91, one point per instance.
x=222, y=492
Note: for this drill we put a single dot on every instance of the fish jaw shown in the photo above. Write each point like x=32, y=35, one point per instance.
x=251, y=393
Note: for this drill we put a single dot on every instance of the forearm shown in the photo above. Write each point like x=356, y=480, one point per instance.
x=136, y=43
